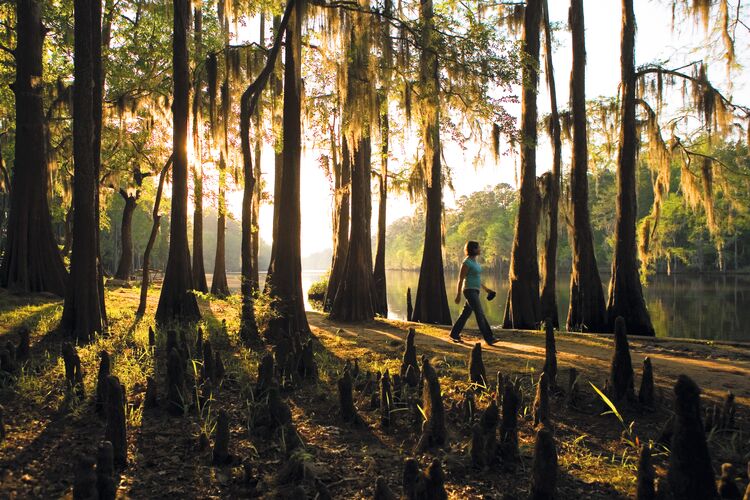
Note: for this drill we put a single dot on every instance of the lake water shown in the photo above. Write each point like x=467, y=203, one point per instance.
x=715, y=307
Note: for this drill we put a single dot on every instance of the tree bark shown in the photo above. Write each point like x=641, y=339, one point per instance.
x=431, y=304
x=285, y=276
x=342, y=184
x=277, y=89
x=523, y=307
x=587, y=306
x=125, y=267
x=548, y=298
x=176, y=301
x=31, y=260
x=82, y=313
x=381, y=297
x=255, y=209
x=152, y=239
x=98, y=103
x=625, y=292
x=199, y=272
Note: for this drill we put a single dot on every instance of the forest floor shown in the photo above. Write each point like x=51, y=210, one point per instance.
x=47, y=430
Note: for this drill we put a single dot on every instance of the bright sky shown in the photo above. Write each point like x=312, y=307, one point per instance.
x=655, y=42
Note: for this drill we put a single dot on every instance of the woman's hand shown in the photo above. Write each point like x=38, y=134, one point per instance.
x=458, y=299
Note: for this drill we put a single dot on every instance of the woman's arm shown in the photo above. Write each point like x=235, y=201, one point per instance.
x=461, y=277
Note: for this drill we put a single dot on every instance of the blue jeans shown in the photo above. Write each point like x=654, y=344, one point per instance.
x=472, y=304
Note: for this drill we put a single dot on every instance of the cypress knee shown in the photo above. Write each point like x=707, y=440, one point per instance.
x=199, y=341
x=383, y=491
x=544, y=468
x=207, y=372
x=23, y=352
x=645, y=489
x=477, y=373
x=219, y=369
x=151, y=337
x=409, y=305
x=221, y=444
x=509, y=423
x=105, y=471
x=101, y=381
x=436, y=481
x=621, y=370
x=84, y=481
x=499, y=389
x=115, y=431
x=346, y=400
x=550, y=354
x=150, y=401
x=726, y=485
x=747, y=491
x=728, y=410
x=386, y=400
x=265, y=375
x=175, y=383
x=571, y=399
x=73, y=371
x=646, y=392
x=409, y=367
x=308, y=368
x=484, y=437
x=433, y=428
x=541, y=401
x=690, y=474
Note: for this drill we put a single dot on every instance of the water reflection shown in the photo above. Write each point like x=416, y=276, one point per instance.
x=715, y=307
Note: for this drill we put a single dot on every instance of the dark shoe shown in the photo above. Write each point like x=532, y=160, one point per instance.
x=456, y=339
x=490, y=341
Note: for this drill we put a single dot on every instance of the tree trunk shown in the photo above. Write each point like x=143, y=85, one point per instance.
x=125, y=267
x=523, y=308
x=277, y=89
x=82, y=313
x=176, y=301
x=152, y=239
x=255, y=209
x=381, y=297
x=431, y=305
x=355, y=293
x=219, y=285
x=31, y=261
x=98, y=103
x=199, y=272
x=548, y=298
x=587, y=307
x=625, y=293
x=285, y=276
x=342, y=183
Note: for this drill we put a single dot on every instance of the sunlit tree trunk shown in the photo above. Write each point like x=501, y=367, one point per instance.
x=199, y=272
x=82, y=314
x=625, y=293
x=176, y=302
x=125, y=267
x=285, y=275
x=523, y=306
x=548, y=298
x=381, y=297
x=587, y=307
x=31, y=260
x=342, y=181
x=219, y=285
x=255, y=218
x=431, y=305
x=277, y=88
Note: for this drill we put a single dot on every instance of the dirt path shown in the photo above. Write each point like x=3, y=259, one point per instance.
x=716, y=368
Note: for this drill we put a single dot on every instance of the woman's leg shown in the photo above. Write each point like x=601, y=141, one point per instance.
x=484, y=325
x=458, y=326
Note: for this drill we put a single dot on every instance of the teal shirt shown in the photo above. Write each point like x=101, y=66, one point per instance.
x=473, y=275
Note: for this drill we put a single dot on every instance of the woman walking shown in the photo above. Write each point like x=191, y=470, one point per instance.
x=470, y=282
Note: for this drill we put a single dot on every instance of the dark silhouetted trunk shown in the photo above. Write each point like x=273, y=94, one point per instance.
x=82, y=313
x=548, y=298
x=177, y=301
x=98, y=103
x=199, y=272
x=255, y=209
x=625, y=293
x=152, y=239
x=431, y=304
x=354, y=297
x=381, y=297
x=31, y=260
x=277, y=88
x=285, y=276
x=219, y=285
x=523, y=308
x=125, y=267
x=587, y=307
x=342, y=181
x=248, y=104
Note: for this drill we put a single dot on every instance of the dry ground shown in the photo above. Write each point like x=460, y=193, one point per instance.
x=597, y=454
